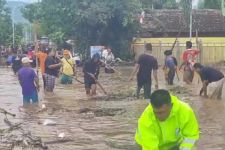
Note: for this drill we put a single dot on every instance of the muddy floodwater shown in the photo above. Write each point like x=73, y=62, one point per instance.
x=104, y=122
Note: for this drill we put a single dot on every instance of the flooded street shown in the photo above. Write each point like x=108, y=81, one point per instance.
x=105, y=122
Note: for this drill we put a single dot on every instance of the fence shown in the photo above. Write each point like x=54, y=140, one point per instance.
x=210, y=52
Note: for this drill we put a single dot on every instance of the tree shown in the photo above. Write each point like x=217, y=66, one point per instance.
x=210, y=4
x=18, y=36
x=6, y=34
x=88, y=22
x=5, y=23
x=159, y=4
x=169, y=4
x=186, y=8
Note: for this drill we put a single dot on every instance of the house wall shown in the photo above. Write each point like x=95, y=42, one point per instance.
x=212, y=49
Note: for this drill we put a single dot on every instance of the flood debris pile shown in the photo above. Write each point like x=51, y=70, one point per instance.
x=102, y=111
x=16, y=137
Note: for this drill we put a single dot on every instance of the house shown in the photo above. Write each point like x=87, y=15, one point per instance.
x=161, y=27
x=168, y=23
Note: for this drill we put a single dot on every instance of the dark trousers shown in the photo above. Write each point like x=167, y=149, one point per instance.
x=108, y=70
x=171, y=75
x=147, y=90
x=44, y=82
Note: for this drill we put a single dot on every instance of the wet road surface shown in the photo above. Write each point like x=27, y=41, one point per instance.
x=103, y=123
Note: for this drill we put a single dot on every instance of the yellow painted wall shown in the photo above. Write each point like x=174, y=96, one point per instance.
x=213, y=48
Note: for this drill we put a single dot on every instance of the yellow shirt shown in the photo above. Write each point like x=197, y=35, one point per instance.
x=67, y=66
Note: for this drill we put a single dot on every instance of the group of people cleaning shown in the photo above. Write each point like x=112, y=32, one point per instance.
x=167, y=123
x=52, y=66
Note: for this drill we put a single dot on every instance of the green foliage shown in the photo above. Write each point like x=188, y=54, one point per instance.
x=5, y=22
x=186, y=7
x=6, y=35
x=159, y=4
x=201, y=4
x=18, y=36
x=212, y=4
x=88, y=22
x=169, y=4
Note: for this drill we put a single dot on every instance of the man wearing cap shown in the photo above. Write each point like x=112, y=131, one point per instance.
x=91, y=71
x=68, y=68
x=29, y=82
x=170, y=66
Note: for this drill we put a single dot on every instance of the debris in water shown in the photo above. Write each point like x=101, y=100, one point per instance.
x=43, y=106
x=15, y=137
x=102, y=111
x=48, y=122
x=3, y=111
x=61, y=135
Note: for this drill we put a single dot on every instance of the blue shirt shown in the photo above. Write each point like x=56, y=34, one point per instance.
x=26, y=77
x=170, y=62
x=210, y=74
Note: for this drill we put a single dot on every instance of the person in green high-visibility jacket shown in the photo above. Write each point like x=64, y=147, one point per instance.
x=167, y=124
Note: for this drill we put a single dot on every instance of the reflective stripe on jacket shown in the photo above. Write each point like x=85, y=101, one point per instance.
x=179, y=130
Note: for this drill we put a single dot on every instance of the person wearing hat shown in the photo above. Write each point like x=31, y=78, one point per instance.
x=170, y=67
x=91, y=71
x=68, y=68
x=29, y=82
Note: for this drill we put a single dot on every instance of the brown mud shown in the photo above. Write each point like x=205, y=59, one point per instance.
x=103, y=122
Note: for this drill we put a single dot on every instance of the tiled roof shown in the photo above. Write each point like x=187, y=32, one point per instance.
x=167, y=21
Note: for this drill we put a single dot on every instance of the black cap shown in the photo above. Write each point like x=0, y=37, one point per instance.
x=168, y=52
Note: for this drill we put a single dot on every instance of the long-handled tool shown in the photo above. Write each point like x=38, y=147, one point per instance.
x=177, y=75
x=37, y=62
x=77, y=80
x=72, y=77
x=98, y=83
x=110, y=67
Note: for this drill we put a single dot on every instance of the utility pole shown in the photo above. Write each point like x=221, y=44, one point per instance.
x=191, y=13
x=13, y=26
x=223, y=7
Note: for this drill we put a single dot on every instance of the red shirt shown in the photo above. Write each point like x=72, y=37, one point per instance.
x=190, y=55
x=30, y=54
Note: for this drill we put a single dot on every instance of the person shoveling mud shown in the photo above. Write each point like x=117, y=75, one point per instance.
x=91, y=71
